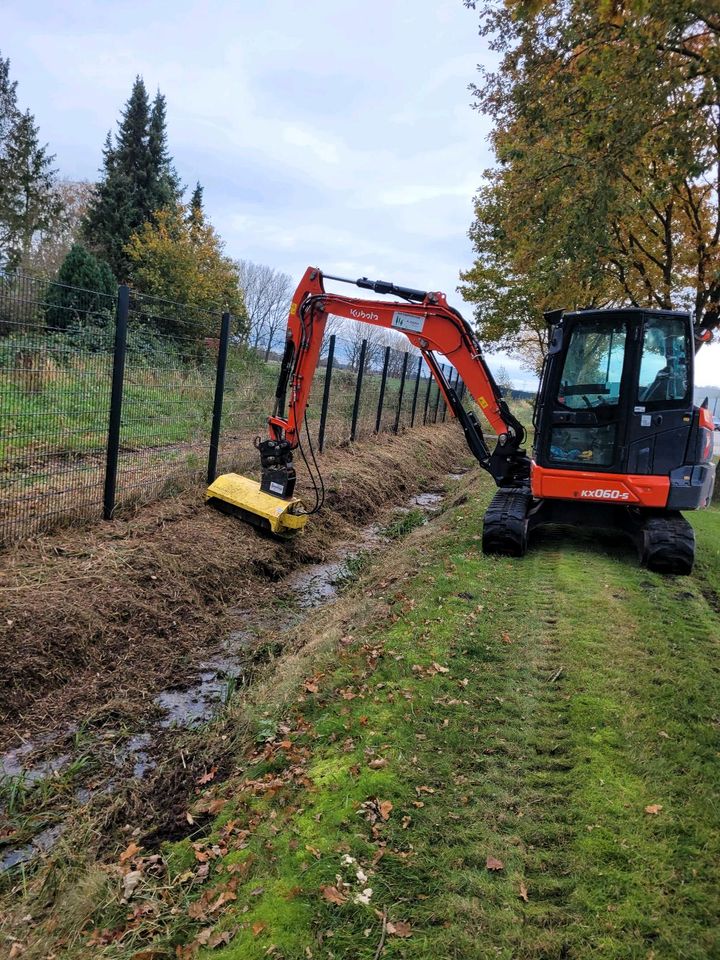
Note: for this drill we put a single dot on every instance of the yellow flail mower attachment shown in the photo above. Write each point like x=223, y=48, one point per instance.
x=243, y=498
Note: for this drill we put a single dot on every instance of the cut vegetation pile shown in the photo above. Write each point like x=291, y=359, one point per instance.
x=98, y=619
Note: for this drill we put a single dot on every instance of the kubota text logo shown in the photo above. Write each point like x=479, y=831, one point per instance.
x=601, y=494
x=363, y=315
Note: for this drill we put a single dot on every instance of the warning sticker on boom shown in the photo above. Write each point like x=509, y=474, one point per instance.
x=407, y=321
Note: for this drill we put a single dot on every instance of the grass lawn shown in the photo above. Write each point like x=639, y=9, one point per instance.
x=484, y=758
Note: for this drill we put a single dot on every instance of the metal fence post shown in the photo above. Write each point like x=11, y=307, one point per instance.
x=450, y=384
x=383, y=381
x=427, y=397
x=415, y=392
x=358, y=389
x=116, y=397
x=437, y=398
x=219, y=394
x=326, y=392
x=461, y=397
x=400, y=394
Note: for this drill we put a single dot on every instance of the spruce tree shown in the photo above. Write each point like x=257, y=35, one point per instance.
x=8, y=117
x=8, y=101
x=164, y=188
x=29, y=202
x=34, y=205
x=197, y=211
x=137, y=179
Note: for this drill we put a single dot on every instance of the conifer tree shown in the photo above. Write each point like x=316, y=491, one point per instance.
x=29, y=202
x=34, y=205
x=164, y=187
x=8, y=117
x=197, y=211
x=85, y=289
x=8, y=101
x=137, y=179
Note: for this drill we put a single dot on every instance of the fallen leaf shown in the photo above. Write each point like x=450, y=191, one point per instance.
x=218, y=939
x=399, y=928
x=493, y=864
x=438, y=668
x=523, y=893
x=333, y=895
x=385, y=806
x=506, y=637
x=16, y=950
x=311, y=686
x=378, y=763
x=130, y=882
x=196, y=910
x=224, y=898
x=258, y=927
x=653, y=808
x=131, y=851
x=207, y=777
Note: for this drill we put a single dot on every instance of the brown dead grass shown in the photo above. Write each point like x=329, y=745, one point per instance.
x=92, y=622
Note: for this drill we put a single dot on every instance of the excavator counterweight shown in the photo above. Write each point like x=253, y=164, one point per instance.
x=618, y=441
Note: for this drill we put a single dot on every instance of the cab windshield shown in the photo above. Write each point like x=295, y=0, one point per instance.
x=593, y=365
x=589, y=394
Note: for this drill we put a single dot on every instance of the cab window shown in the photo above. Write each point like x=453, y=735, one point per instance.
x=593, y=365
x=664, y=374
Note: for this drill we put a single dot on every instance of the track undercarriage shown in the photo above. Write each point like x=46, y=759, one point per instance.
x=664, y=539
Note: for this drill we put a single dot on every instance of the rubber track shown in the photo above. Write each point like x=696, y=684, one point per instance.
x=505, y=523
x=668, y=544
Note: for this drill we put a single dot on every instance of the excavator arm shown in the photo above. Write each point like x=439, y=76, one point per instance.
x=430, y=325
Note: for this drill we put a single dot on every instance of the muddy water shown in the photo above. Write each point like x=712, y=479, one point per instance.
x=219, y=676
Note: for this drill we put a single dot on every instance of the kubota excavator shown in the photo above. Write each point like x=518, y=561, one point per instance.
x=618, y=441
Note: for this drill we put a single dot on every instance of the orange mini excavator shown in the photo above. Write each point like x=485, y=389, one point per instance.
x=618, y=442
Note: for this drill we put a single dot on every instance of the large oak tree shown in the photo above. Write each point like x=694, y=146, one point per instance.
x=607, y=136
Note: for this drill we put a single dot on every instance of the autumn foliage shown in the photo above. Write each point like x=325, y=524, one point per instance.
x=606, y=137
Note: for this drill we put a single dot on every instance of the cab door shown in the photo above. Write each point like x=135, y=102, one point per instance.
x=586, y=413
x=661, y=416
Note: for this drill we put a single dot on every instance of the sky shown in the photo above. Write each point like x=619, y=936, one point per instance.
x=332, y=134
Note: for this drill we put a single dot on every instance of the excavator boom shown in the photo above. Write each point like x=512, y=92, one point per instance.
x=431, y=326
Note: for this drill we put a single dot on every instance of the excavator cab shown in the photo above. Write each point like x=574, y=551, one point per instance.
x=615, y=423
x=616, y=398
